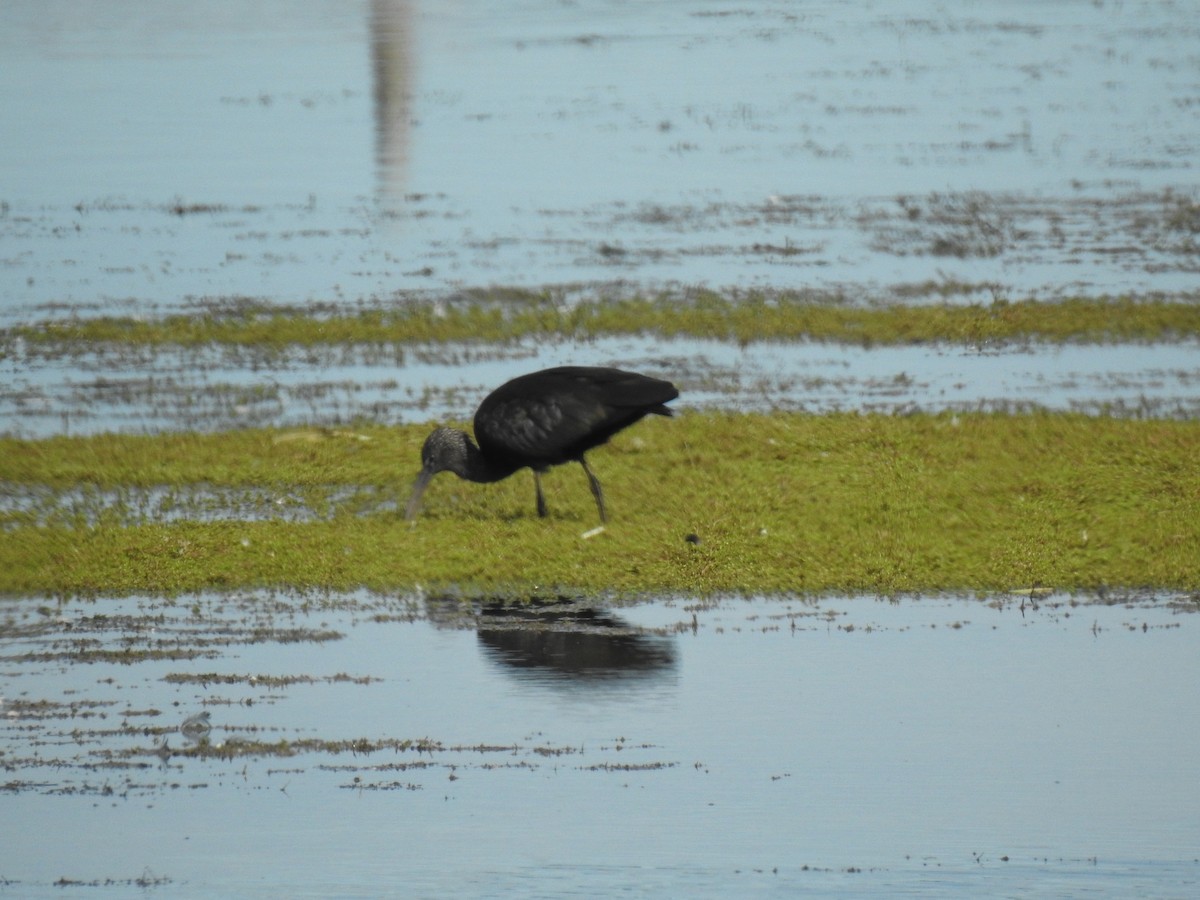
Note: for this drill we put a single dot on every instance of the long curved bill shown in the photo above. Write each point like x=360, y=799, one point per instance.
x=414, y=501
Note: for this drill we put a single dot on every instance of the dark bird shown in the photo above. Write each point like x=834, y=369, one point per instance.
x=540, y=420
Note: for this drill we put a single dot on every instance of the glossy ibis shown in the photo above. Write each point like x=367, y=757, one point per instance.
x=540, y=420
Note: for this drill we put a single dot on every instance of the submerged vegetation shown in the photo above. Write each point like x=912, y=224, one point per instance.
x=498, y=316
x=714, y=502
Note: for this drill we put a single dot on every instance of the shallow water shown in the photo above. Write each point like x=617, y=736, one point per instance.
x=1039, y=746
x=211, y=388
x=325, y=151
x=176, y=159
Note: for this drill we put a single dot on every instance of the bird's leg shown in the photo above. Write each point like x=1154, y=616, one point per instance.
x=597, y=491
x=541, y=501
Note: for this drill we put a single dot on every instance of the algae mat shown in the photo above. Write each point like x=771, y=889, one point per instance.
x=784, y=503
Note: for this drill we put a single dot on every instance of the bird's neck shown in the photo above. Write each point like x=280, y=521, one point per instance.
x=480, y=468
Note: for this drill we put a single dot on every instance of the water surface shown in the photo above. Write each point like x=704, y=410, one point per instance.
x=336, y=152
x=1032, y=745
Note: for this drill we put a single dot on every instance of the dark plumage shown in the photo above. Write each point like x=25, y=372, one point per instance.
x=540, y=420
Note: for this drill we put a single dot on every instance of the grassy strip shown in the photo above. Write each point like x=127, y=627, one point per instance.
x=510, y=315
x=779, y=503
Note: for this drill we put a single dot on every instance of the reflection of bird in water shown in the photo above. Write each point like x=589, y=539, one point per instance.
x=572, y=642
x=541, y=420
x=196, y=728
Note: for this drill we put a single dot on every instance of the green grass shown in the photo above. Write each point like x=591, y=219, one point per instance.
x=508, y=315
x=784, y=503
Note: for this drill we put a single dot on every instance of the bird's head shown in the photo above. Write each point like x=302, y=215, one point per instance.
x=446, y=449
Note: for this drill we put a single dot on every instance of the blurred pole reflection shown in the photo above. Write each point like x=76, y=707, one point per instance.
x=391, y=65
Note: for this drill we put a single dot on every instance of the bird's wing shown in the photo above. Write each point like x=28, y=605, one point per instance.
x=538, y=432
x=552, y=416
x=619, y=390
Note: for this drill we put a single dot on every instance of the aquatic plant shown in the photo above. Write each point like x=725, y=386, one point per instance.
x=505, y=315
x=714, y=502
